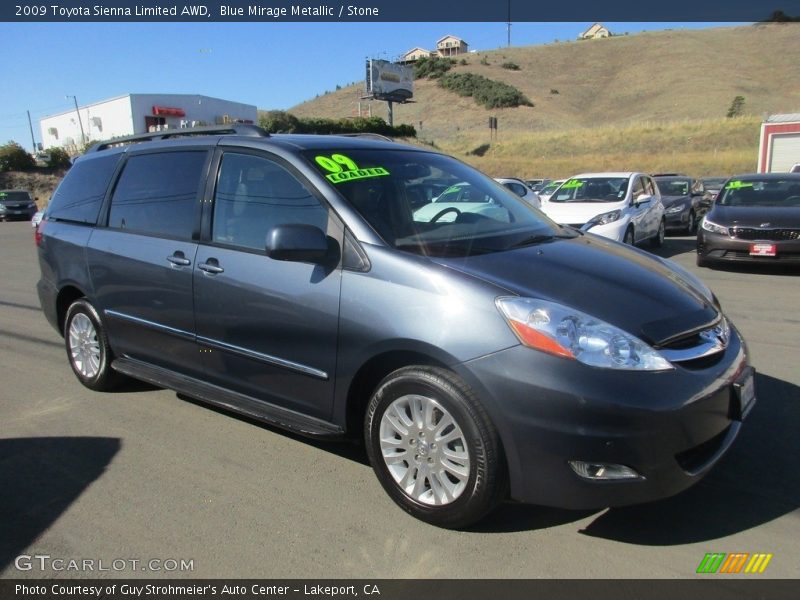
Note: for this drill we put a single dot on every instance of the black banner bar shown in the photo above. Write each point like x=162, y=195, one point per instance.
x=397, y=10
x=711, y=587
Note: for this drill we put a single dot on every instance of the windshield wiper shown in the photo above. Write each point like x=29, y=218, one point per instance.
x=541, y=238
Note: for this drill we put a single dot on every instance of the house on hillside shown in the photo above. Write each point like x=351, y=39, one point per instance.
x=451, y=45
x=598, y=30
x=415, y=54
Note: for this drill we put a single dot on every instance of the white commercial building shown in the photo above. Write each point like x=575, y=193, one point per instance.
x=139, y=113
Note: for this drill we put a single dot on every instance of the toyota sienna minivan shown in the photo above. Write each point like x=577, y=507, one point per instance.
x=487, y=355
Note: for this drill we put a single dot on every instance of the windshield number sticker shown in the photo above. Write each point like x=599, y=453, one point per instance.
x=737, y=185
x=572, y=184
x=343, y=168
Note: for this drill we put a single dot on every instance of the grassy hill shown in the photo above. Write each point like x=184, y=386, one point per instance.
x=655, y=100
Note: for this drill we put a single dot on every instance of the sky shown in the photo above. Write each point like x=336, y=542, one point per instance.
x=270, y=65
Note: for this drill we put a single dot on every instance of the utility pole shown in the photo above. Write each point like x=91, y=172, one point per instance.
x=83, y=136
x=33, y=141
x=509, y=23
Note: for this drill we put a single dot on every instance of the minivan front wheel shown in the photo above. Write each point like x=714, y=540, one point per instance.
x=87, y=347
x=434, y=448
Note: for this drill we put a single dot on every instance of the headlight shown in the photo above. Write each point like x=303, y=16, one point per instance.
x=713, y=227
x=675, y=209
x=604, y=218
x=2, y=208
x=572, y=334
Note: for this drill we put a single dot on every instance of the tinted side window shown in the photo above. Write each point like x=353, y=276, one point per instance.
x=80, y=194
x=517, y=188
x=255, y=194
x=157, y=194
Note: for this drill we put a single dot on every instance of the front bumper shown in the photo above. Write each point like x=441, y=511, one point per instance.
x=671, y=427
x=717, y=247
x=678, y=220
x=15, y=214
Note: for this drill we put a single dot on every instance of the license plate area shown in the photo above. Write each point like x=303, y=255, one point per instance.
x=763, y=249
x=743, y=394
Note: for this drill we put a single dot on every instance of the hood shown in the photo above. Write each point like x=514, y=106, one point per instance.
x=626, y=287
x=573, y=213
x=756, y=216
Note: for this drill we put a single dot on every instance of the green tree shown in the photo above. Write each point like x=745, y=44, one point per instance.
x=13, y=157
x=737, y=107
x=57, y=158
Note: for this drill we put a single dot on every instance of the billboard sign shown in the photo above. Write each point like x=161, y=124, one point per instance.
x=389, y=81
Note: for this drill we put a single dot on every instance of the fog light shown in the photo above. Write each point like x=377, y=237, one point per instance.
x=602, y=472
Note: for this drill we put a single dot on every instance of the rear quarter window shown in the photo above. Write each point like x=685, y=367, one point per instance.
x=80, y=194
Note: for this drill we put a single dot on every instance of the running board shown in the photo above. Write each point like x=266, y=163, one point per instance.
x=227, y=399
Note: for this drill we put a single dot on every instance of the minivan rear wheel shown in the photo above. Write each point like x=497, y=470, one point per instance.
x=87, y=347
x=434, y=448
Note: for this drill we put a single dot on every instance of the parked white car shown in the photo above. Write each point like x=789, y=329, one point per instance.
x=625, y=207
x=547, y=191
x=520, y=189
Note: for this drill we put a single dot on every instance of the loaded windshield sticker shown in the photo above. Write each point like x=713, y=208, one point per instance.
x=737, y=185
x=342, y=168
x=572, y=183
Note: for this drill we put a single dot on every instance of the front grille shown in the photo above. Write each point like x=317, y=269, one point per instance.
x=744, y=255
x=752, y=233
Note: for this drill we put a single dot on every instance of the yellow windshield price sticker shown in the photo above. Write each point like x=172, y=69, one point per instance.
x=342, y=168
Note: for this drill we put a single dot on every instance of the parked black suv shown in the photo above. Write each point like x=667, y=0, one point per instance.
x=480, y=349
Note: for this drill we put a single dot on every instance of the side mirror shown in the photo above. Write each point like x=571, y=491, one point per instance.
x=642, y=199
x=297, y=243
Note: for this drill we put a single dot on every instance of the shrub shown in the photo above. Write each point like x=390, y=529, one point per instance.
x=480, y=150
x=463, y=62
x=57, y=158
x=486, y=92
x=432, y=67
x=485, y=61
x=736, y=108
x=278, y=121
x=554, y=91
x=13, y=157
x=511, y=66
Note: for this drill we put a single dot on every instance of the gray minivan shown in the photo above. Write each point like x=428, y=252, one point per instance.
x=301, y=280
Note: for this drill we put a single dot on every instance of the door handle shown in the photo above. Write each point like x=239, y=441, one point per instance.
x=179, y=259
x=211, y=266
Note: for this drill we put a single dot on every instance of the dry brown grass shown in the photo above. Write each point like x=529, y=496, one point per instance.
x=696, y=147
x=650, y=77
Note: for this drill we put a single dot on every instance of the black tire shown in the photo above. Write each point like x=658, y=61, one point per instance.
x=486, y=483
x=628, y=237
x=702, y=262
x=102, y=378
x=658, y=239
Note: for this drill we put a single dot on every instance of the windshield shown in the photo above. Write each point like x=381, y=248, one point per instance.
x=714, y=183
x=592, y=189
x=761, y=192
x=673, y=187
x=432, y=204
x=14, y=197
x=550, y=188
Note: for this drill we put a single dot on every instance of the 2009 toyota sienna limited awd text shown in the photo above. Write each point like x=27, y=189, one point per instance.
x=485, y=355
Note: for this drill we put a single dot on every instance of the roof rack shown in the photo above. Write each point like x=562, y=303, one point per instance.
x=235, y=128
x=367, y=134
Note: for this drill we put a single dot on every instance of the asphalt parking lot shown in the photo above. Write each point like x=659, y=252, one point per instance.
x=143, y=474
